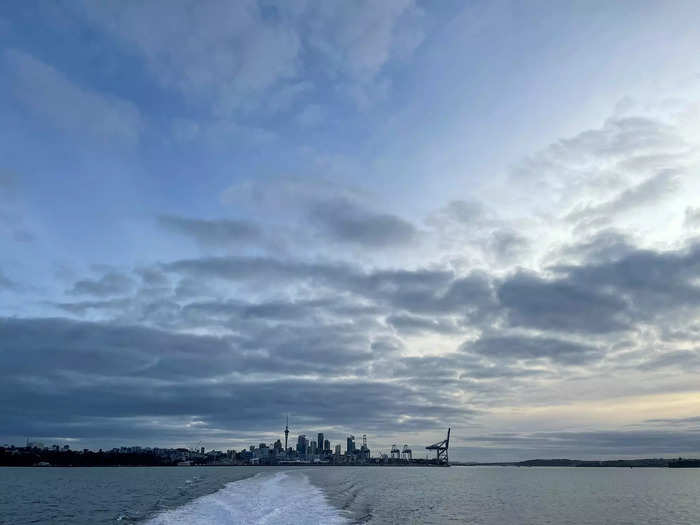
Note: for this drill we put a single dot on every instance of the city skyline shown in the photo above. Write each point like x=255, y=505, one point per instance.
x=320, y=438
x=307, y=451
x=393, y=217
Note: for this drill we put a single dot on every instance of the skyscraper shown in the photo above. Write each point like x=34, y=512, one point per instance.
x=319, y=442
x=302, y=445
x=350, y=449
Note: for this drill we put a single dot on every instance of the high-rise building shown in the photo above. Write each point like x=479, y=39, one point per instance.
x=337, y=449
x=350, y=449
x=319, y=442
x=302, y=445
x=327, y=446
x=364, y=449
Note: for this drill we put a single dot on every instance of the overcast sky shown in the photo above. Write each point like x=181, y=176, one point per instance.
x=379, y=217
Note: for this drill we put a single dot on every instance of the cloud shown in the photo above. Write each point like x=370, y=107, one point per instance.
x=692, y=217
x=311, y=116
x=686, y=360
x=51, y=95
x=106, y=373
x=111, y=283
x=405, y=323
x=598, y=175
x=675, y=421
x=606, y=296
x=358, y=40
x=506, y=246
x=6, y=283
x=599, y=444
x=560, y=305
x=221, y=232
x=464, y=214
x=604, y=245
x=343, y=221
x=524, y=347
x=653, y=283
x=223, y=50
x=245, y=56
x=646, y=193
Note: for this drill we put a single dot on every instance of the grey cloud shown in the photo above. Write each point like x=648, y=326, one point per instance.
x=106, y=350
x=560, y=305
x=506, y=245
x=153, y=277
x=104, y=372
x=692, y=217
x=686, y=360
x=408, y=324
x=622, y=137
x=420, y=290
x=82, y=307
x=464, y=211
x=676, y=421
x=652, y=282
x=239, y=268
x=606, y=245
x=343, y=221
x=221, y=232
x=462, y=216
x=111, y=283
x=433, y=292
x=594, y=444
x=647, y=192
x=525, y=347
x=606, y=296
x=341, y=291
x=6, y=283
x=689, y=331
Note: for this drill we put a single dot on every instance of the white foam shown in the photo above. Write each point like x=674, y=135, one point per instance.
x=277, y=498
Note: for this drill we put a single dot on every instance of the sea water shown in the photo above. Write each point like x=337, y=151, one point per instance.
x=334, y=495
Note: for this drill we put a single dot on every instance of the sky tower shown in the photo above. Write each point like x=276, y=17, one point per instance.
x=286, y=434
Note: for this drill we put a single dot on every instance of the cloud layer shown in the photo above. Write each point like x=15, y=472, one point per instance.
x=380, y=218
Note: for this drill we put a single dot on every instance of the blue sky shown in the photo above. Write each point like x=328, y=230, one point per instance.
x=310, y=195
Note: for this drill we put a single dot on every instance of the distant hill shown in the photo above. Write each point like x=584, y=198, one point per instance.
x=631, y=463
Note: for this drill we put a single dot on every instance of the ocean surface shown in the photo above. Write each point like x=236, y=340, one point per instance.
x=338, y=495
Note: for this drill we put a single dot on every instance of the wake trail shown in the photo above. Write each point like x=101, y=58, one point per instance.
x=279, y=498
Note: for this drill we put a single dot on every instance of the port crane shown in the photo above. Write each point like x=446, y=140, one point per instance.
x=441, y=448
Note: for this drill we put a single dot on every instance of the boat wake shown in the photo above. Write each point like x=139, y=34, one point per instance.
x=279, y=498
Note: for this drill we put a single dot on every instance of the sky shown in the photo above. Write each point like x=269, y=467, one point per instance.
x=384, y=218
